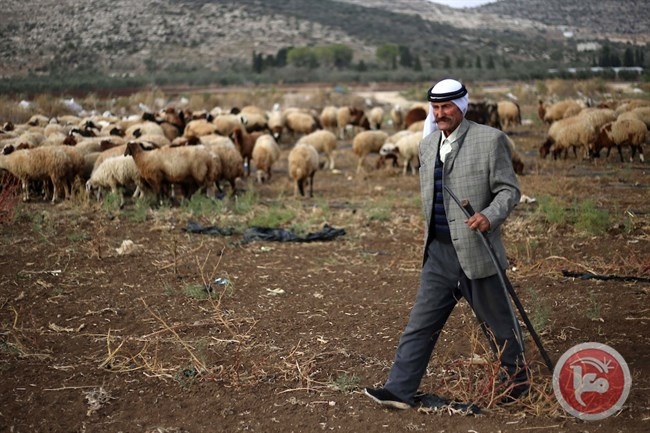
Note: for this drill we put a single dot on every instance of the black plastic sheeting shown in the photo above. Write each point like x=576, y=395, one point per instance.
x=282, y=235
x=267, y=234
x=194, y=227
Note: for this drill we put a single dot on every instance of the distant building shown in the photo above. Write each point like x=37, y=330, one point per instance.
x=588, y=46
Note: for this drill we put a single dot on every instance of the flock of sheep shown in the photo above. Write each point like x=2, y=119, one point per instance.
x=174, y=151
x=573, y=126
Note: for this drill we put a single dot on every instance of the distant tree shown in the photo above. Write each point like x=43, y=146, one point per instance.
x=257, y=63
x=281, y=57
x=303, y=57
x=387, y=54
x=490, y=63
x=638, y=57
x=460, y=62
x=478, y=63
x=447, y=62
x=336, y=55
x=405, y=57
x=628, y=57
x=417, y=66
x=361, y=66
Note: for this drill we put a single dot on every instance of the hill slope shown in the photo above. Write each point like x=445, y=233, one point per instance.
x=122, y=36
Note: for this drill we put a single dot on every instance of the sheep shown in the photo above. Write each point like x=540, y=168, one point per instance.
x=191, y=167
x=245, y=143
x=388, y=150
x=406, y=146
x=299, y=122
x=415, y=114
x=509, y=114
x=303, y=163
x=376, y=117
x=116, y=173
x=367, y=142
x=232, y=163
x=328, y=117
x=144, y=127
x=484, y=112
x=350, y=116
x=324, y=141
x=199, y=128
x=51, y=163
x=265, y=153
x=641, y=113
x=276, y=124
x=517, y=160
x=558, y=110
x=541, y=110
x=397, y=117
x=571, y=132
x=227, y=123
x=416, y=126
x=622, y=132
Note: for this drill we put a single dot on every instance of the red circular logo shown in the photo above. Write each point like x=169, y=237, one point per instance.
x=591, y=381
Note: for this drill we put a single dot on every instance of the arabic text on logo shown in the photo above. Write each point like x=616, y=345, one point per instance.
x=591, y=381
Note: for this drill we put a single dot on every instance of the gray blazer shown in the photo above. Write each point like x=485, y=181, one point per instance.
x=478, y=168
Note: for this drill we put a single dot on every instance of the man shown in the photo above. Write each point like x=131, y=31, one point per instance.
x=474, y=162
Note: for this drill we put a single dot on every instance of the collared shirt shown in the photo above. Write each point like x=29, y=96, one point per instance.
x=445, y=145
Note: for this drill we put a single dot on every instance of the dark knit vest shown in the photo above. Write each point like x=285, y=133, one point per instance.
x=439, y=225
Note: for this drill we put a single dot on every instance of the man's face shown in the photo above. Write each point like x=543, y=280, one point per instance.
x=448, y=116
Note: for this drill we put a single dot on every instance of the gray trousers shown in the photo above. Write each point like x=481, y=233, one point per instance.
x=442, y=284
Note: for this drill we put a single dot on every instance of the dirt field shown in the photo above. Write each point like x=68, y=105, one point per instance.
x=100, y=336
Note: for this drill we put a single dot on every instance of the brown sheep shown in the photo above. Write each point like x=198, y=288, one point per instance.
x=622, y=132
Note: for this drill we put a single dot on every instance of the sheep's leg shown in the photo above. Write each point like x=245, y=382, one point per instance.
x=406, y=166
x=25, y=185
x=301, y=186
x=311, y=184
x=620, y=152
x=360, y=164
x=641, y=153
x=331, y=161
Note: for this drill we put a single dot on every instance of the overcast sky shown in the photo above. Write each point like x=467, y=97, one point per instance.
x=462, y=3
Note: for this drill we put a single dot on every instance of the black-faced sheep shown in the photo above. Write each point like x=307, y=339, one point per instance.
x=484, y=112
x=324, y=141
x=367, y=142
x=265, y=153
x=303, y=164
x=622, y=132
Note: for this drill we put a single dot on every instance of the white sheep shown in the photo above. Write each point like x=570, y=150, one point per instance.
x=324, y=141
x=641, y=113
x=232, y=162
x=297, y=122
x=48, y=163
x=116, y=173
x=226, y=123
x=328, y=118
x=408, y=149
x=303, y=164
x=191, y=167
x=144, y=127
x=199, y=128
x=572, y=132
x=376, y=117
x=397, y=117
x=265, y=153
x=559, y=110
x=276, y=124
x=622, y=132
x=509, y=114
x=367, y=142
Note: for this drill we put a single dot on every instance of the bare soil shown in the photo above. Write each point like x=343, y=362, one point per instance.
x=97, y=337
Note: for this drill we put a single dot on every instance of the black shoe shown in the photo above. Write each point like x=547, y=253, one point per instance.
x=517, y=387
x=435, y=403
x=386, y=398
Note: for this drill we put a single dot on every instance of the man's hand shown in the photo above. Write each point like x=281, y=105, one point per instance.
x=478, y=222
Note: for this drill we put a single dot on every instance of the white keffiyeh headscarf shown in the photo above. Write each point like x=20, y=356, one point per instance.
x=443, y=91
